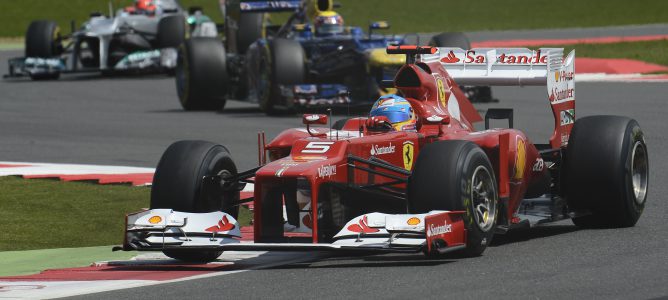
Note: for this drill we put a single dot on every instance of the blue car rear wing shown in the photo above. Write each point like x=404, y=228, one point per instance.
x=270, y=6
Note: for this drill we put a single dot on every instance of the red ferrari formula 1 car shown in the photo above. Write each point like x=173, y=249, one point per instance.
x=361, y=185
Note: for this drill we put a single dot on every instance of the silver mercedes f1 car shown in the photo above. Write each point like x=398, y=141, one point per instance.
x=141, y=37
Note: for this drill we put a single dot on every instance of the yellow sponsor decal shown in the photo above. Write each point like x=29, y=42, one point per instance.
x=413, y=221
x=380, y=58
x=441, y=92
x=408, y=153
x=556, y=76
x=155, y=220
x=520, y=159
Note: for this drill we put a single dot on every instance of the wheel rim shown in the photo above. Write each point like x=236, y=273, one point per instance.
x=639, y=172
x=483, y=195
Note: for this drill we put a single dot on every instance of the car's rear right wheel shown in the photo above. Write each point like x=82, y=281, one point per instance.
x=606, y=171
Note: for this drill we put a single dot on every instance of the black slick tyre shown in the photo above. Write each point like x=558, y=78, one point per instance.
x=250, y=29
x=281, y=63
x=606, y=171
x=171, y=31
x=43, y=39
x=457, y=175
x=450, y=39
x=201, y=74
x=178, y=184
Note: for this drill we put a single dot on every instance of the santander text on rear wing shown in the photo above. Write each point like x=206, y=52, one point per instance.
x=517, y=66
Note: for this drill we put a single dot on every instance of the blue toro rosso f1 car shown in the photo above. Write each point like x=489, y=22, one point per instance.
x=310, y=61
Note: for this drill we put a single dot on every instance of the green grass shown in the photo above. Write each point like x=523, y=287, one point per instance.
x=651, y=51
x=42, y=214
x=405, y=16
x=474, y=15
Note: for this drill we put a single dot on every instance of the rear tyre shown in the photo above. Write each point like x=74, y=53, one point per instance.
x=459, y=40
x=178, y=185
x=171, y=31
x=281, y=63
x=606, y=171
x=43, y=39
x=201, y=74
x=251, y=29
x=457, y=176
x=450, y=39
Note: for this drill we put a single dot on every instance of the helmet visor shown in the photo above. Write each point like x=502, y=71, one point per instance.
x=394, y=116
x=330, y=28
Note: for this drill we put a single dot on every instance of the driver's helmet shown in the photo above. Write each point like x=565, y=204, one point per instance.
x=328, y=23
x=397, y=110
x=146, y=6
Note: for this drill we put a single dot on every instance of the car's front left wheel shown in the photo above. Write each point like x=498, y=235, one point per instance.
x=179, y=184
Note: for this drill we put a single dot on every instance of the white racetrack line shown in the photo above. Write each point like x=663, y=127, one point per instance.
x=32, y=168
x=59, y=289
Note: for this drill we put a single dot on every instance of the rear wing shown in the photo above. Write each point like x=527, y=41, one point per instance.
x=516, y=66
x=270, y=6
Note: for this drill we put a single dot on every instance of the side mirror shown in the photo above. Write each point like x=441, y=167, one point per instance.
x=379, y=123
x=379, y=25
x=437, y=120
x=299, y=27
x=312, y=119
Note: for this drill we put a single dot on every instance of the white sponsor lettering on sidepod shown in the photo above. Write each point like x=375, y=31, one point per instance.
x=538, y=165
x=326, y=171
x=440, y=229
x=380, y=150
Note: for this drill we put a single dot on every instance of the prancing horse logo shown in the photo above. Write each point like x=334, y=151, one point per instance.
x=408, y=153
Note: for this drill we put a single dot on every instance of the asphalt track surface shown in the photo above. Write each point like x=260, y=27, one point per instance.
x=130, y=121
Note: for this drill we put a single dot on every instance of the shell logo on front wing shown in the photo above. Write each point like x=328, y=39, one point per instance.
x=413, y=221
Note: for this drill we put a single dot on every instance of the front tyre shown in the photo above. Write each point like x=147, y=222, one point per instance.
x=457, y=176
x=606, y=171
x=43, y=39
x=201, y=74
x=179, y=184
x=171, y=31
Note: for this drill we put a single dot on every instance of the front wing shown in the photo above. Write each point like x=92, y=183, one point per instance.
x=161, y=229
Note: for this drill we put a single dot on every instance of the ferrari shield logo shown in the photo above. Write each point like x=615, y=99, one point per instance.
x=408, y=153
x=441, y=92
